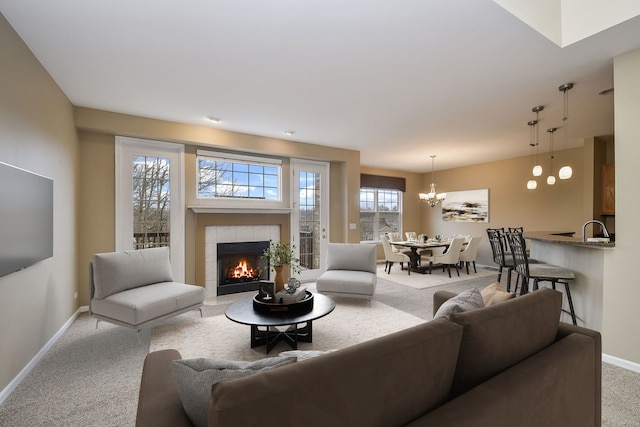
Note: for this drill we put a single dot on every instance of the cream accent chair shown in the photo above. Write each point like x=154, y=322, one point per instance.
x=450, y=257
x=391, y=256
x=351, y=270
x=470, y=253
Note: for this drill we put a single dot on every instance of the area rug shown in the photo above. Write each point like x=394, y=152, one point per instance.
x=436, y=278
x=352, y=322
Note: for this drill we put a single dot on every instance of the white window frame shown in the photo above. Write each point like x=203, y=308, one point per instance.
x=242, y=158
x=125, y=148
x=377, y=211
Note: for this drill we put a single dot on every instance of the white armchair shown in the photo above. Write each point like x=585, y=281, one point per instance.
x=351, y=270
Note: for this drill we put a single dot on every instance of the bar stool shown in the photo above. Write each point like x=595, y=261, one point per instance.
x=539, y=272
x=497, y=241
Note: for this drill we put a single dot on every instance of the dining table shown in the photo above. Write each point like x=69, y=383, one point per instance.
x=415, y=245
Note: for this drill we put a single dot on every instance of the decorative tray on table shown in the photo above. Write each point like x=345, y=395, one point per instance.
x=278, y=306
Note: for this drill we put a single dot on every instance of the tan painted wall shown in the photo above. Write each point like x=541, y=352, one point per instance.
x=97, y=132
x=621, y=290
x=37, y=134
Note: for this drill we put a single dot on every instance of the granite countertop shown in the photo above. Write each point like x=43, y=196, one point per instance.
x=564, y=238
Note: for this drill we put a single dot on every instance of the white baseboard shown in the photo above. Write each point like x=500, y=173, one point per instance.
x=632, y=366
x=4, y=394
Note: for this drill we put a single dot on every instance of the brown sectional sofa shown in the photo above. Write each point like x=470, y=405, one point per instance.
x=510, y=364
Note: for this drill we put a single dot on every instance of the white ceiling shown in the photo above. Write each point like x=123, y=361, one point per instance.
x=398, y=80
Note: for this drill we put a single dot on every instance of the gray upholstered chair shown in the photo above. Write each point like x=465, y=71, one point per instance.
x=351, y=270
x=136, y=288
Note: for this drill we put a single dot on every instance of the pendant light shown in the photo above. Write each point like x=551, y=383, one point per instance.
x=551, y=179
x=532, y=184
x=565, y=171
x=432, y=198
x=537, y=168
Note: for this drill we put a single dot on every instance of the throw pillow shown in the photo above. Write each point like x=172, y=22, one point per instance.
x=495, y=293
x=464, y=301
x=194, y=378
x=304, y=354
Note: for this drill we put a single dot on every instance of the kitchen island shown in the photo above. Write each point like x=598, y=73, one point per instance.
x=586, y=260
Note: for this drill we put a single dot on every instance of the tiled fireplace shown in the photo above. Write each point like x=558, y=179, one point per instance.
x=232, y=257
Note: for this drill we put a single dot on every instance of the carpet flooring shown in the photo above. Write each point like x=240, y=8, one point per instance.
x=353, y=321
x=436, y=278
x=91, y=377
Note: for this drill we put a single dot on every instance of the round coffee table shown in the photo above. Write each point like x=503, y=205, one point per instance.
x=264, y=329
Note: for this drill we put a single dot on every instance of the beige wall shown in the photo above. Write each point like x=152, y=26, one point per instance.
x=37, y=134
x=621, y=289
x=97, y=132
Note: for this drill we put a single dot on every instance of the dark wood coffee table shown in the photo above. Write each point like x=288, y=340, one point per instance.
x=264, y=329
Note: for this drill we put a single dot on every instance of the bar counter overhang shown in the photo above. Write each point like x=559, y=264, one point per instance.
x=586, y=259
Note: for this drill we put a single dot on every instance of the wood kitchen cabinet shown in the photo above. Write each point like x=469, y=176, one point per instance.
x=608, y=189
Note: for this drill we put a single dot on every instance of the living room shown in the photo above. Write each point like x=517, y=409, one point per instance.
x=42, y=131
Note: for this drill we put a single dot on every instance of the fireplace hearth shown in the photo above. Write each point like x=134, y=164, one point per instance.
x=240, y=266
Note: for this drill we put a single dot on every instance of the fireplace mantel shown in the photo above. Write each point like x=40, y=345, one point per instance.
x=211, y=209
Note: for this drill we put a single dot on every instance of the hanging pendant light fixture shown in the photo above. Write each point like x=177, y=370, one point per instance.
x=532, y=184
x=537, y=168
x=565, y=171
x=551, y=179
x=432, y=198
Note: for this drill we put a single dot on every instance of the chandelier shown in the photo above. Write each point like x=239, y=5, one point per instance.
x=432, y=198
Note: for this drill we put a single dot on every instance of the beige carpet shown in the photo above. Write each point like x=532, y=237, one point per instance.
x=436, y=278
x=351, y=322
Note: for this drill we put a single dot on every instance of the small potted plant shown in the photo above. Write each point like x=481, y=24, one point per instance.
x=281, y=254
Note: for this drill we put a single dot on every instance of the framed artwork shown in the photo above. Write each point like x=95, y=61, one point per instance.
x=266, y=291
x=466, y=206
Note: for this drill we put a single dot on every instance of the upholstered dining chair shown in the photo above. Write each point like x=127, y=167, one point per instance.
x=450, y=257
x=470, y=253
x=538, y=272
x=391, y=256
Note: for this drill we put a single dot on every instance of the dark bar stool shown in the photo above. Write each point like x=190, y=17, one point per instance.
x=498, y=242
x=539, y=272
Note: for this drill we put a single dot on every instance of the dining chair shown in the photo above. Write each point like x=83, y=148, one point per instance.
x=391, y=256
x=470, y=253
x=449, y=258
x=538, y=272
x=394, y=236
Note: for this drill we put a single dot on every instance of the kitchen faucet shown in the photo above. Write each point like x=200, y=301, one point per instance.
x=593, y=221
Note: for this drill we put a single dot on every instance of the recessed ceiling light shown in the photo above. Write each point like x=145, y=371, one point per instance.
x=289, y=132
x=213, y=119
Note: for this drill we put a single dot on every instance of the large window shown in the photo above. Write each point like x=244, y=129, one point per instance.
x=380, y=213
x=238, y=177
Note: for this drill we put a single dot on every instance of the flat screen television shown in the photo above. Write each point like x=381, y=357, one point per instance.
x=26, y=218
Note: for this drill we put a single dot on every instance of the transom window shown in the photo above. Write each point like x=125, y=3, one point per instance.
x=380, y=213
x=222, y=175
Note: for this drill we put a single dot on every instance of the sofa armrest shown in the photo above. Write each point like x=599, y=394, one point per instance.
x=566, y=329
x=159, y=402
x=439, y=298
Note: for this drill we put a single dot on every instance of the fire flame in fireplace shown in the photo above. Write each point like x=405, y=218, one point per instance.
x=242, y=270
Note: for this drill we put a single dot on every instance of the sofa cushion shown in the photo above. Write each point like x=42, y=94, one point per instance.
x=118, y=271
x=348, y=282
x=464, y=301
x=495, y=293
x=389, y=380
x=499, y=336
x=139, y=305
x=351, y=256
x=195, y=377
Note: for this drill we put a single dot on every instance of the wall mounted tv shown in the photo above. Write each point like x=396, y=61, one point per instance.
x=26, y=218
